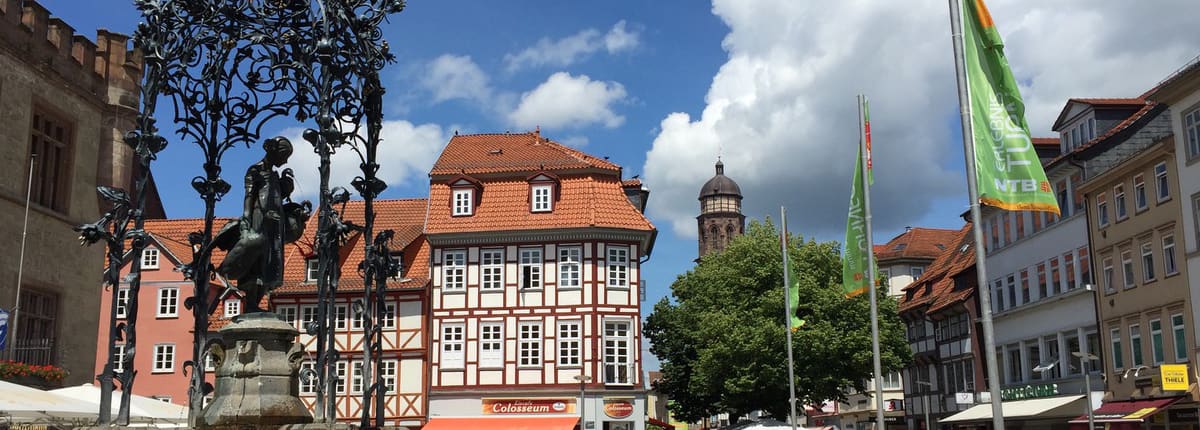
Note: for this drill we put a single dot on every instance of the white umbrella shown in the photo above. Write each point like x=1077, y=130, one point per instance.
x=23, y=403
x=141, y=409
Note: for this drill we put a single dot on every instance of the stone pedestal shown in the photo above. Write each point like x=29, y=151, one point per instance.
x=257, y=364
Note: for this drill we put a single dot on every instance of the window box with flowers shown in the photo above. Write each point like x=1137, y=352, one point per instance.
x=37, y=376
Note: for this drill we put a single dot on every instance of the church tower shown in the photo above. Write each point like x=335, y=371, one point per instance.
x=721, y=216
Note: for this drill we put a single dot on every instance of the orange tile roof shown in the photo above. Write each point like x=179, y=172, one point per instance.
x=583, y=201
x=476, y=154
x=1045, y=141
x=935, y=289
x=173, y=235
x=406, y=217
x=916, y=243
x=631, y=183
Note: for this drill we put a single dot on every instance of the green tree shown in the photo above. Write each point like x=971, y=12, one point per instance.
x=722, y=341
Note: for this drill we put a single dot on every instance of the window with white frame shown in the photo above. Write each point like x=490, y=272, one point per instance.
x=1127, y=268
x=1140, y=202
x=569, y=342
x=541, y=198
x=168, y=302
x=463, y=201
x=529, y=344
x=491, y=344
x=150, y=258
x=1179, y=338
x=311, y=270
x=164, y=358
x=398, y=263
x=1118, y=352
x=617, y=358
x=356, y=377
x=341, y=313
x=1162, y=188
x=891, y=381
x=341, y=377
x=233, y=307
x=618, y=266
x=531, y=268
x=119, y=358
x=1170, y=266
x=389, y=316
x=122, y=302
x=1148, y=261
x=1135, y=345
x=1191, y=128
x=1119, y=202
x=387, y=370
x=288, y=313
x=308, y=383
x=210, y=363
x=1101, y=210
x=453, y=342
x=1107, y=275
x=454, y=270
x=916, y=272
x=308, y=315
x=1156, y=342
x=570, y=263
x=491, y=263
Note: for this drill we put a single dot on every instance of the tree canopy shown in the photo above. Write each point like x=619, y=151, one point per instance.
x=722, y=341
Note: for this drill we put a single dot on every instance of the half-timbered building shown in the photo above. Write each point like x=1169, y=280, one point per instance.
x=534, y=304
x=404, y=365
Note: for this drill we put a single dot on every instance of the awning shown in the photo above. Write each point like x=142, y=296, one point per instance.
x=501, y=423
x=1048, y=407
x=658, y=422
x=1128, y=411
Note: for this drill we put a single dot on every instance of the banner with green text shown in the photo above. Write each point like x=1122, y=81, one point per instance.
x=1008, y=172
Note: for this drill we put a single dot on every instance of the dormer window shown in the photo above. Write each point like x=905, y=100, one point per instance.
x=311, y=270
x=542, y=191
x=462, y=202
x=464, y=195
x=541, y=198
x=150, y=258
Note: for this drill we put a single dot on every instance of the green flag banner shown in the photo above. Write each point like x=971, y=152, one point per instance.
x=794, y=302
x=854, y=255
x=1007, y=170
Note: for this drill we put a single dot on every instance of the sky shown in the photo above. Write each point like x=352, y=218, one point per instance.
x=666, y=87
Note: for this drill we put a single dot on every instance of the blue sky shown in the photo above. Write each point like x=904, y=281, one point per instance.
x=663, y=87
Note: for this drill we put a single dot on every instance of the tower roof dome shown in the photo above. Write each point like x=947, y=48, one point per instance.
x=720, y=185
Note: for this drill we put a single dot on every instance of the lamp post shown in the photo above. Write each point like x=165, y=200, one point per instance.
x=1087, y=384
x=583, y=380
x=925, y=399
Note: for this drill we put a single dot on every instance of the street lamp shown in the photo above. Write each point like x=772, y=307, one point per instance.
x=925, y=399
x=1087, y=384
x=583, y=379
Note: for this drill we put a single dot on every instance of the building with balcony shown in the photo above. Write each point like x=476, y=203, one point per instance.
x=536, y=252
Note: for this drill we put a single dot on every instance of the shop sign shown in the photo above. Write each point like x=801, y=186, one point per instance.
x=618, y=408
x=889, y=420
x=1029, y=392
x=528, y=406
x=964, y=398
x=1174, y=377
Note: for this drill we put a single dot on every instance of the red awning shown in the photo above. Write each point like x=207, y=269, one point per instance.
x=502, y=423
x=658, y=422
x=1129, y=411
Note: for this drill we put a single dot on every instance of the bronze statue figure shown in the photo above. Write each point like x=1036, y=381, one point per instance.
x=255, y=240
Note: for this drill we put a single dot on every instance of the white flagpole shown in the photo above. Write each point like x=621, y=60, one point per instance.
x=985, y=294
x=866, y=187
x=16, y=310
x=787, y=320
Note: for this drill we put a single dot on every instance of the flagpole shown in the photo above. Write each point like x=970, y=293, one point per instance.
x=985, y=296
x=787, y=320
x=862, y=150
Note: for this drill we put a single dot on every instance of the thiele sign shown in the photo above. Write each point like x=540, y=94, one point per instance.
x=1029, y=392
x=1174, y=377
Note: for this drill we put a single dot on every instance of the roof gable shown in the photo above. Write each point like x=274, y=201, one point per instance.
x=482, y=154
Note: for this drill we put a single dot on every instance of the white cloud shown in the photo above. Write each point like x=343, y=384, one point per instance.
x=405, y=155
x=568, y=50
x=566, y=101
x=451, y=77
x=782, y=107
x=574, y=141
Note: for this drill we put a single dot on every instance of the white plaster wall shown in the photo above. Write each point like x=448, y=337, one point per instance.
x=1068, y=311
